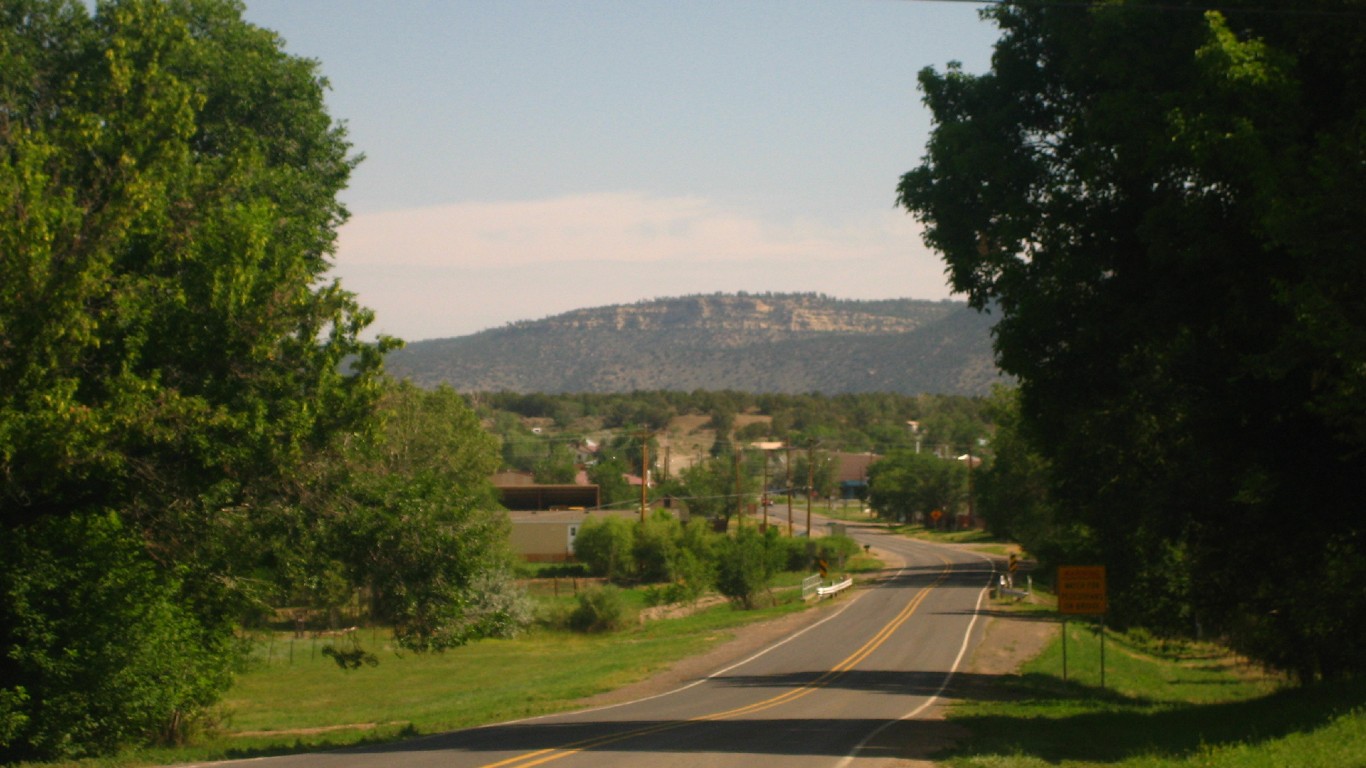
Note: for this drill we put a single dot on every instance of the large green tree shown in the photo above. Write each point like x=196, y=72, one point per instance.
x=172, y=356
x=711, y=489
x=407, y=524
x=1163, y=206
x=422, y=530
x=906, y=483
x=1011, y=491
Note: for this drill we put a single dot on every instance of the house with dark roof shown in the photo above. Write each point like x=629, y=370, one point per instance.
x=851, y=473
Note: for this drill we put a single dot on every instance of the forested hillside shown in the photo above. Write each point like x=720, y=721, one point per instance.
x=785, y=343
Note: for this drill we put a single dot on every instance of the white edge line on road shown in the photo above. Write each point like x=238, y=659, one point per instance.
x=962, y=651
x=671, y=692
x=694, y=683
x=679, y=689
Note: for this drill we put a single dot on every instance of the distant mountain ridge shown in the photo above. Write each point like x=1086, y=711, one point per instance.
x=782, y=343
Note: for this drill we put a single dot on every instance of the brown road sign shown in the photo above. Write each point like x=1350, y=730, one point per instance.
x=1081, y=589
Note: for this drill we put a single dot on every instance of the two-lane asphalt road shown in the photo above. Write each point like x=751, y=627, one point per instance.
x=836, y=693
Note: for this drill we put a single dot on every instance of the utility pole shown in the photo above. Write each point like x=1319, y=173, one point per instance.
x=739, y=497
x=644, y=473
x=972, y=520
x=810, y=486
x=763, y=492
x=787, y=483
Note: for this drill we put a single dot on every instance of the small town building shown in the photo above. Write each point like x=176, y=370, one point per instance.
x=851, y=473
x=545, y=518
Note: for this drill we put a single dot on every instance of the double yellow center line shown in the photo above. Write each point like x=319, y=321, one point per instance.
x=543, y=756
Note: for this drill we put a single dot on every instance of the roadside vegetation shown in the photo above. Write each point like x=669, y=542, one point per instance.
x=1153, y=206
x=981, y=540
x=196, y=443
x=291, y=695
x=1165, y=704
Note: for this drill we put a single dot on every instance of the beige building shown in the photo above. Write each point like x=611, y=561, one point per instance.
x=546, y=537
x=545, y=518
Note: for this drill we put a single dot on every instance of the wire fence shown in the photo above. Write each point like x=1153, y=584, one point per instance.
x=273, y=648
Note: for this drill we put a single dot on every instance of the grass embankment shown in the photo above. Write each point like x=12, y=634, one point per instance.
x=292, y=697
x=980, y=540
x=1163, y=706
x=848, y=510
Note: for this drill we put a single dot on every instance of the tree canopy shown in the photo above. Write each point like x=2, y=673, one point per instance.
x=1162, y=204
x=189, y=421
x=906, y=484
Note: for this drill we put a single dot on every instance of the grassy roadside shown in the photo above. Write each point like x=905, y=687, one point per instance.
x=979, y=539
x=1163, y=706
x=292, y=697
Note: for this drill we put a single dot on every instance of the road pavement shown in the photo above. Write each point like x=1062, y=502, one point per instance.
x=844, y=691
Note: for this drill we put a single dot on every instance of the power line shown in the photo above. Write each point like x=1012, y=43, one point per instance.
x=1273, y=10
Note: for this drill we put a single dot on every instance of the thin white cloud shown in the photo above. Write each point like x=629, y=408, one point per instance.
x=457, y=269
x=623, y=227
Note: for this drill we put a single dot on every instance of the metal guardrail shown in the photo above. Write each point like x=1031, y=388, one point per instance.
x=810, y=584
x=833, y=588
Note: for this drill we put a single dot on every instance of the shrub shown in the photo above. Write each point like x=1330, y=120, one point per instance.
x=99, y=650
x=692, y=577
x=497, y=606
x=699, y=539
x=601, y=609
x=656, y=547
x=746, y=563
x=605, y=545
x=659, y=594
x=833, y=548
x=558, y=570
x=798, y=554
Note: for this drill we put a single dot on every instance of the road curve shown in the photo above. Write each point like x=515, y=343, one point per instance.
x=841, y=692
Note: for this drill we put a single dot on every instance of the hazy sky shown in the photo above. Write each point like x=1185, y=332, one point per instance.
x=528, y=157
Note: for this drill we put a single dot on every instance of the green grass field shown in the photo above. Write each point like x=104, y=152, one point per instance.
x=1161, y=707
x=293, y=697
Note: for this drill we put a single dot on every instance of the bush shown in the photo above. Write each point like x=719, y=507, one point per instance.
x=692, y=577
x=802, y=554
x=833, y=548
x=601, y=609
x=746, y=563
x=605, y=545
x=100, y=652
x=798, y=554
x=497, y=606
x=656, y=547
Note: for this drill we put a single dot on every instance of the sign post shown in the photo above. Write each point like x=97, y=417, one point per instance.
x=1081, y=590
